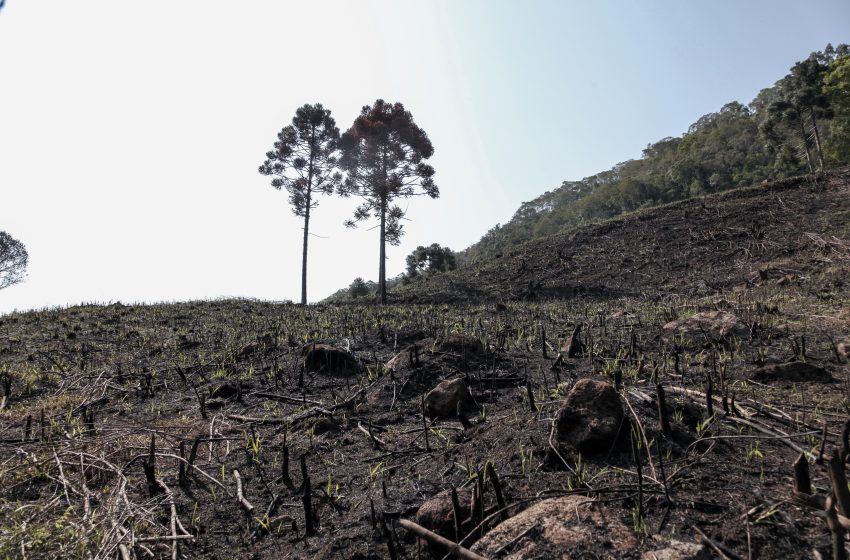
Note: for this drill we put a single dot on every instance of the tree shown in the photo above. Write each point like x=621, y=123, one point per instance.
x=801, y=102
x=808, y=95
x=837, y=87
x=304, y=163
x=383, y=155
x=358, y=288
x=433, y=258
x=13, y=260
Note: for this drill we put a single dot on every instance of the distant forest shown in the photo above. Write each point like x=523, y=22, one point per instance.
x=799, y=125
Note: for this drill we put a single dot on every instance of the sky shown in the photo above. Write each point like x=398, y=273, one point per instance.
x=131, y=132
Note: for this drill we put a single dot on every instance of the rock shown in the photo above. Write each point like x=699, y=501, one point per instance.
x=590, y=418
x=324, y=358
x=442, y=401
x=437, y=513
x=567, y=527
x=705, y=327
x=792, y=371
x=421, y=350
x=461, y=344
x=678, y=550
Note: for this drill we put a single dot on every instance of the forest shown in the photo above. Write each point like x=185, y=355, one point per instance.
x=799, y=125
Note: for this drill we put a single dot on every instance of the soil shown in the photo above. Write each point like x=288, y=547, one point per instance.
x=131, y=431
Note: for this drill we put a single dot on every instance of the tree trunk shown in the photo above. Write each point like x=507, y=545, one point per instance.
x=806, y=144
x=382, y=269
x=307, y=216
x=304, y=256
x=817, y=138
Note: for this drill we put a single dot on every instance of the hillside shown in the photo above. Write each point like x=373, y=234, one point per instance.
x=656, y=417
x=790, y=231
x=799, y=124
x=228, y=429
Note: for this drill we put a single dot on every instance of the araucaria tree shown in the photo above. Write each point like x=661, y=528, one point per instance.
x=383, y=154
x=13, y=260
x=304, y=163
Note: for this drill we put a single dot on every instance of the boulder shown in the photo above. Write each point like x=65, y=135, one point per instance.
x=420, y=350
x=590, y=418
x=678, y=550
x=324, y=358
x=567, y=527
x=706, y=327
x=792, y=371
x=442, y=401
x=437, y=513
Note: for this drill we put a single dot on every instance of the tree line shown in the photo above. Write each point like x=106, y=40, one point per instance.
x=379, y=160
x=799, y=125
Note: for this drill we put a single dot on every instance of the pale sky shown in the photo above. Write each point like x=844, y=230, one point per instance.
x=131, y=132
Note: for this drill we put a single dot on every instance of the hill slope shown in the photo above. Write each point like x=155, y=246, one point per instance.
x=734, y=147
x=785, y=231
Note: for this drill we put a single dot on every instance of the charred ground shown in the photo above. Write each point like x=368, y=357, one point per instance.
x=695, y=247
x=122, y=425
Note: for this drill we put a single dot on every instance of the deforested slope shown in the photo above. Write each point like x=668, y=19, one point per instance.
x=791, y=231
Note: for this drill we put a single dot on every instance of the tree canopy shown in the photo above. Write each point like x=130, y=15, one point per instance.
x=433, y=258
x=383, y=154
